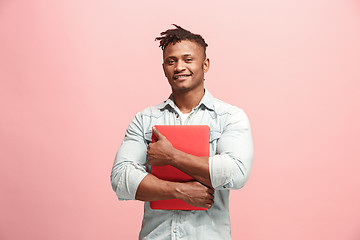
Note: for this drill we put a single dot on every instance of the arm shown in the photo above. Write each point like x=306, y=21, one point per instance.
x=129, y=165
x=163, y=153
x=130, y=180
x=194, y=193
x=229, y=168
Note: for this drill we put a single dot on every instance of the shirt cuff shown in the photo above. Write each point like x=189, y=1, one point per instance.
x=220, y=170
x=129, y=181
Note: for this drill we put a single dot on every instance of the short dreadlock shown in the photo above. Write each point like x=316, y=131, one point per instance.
x=178, y=34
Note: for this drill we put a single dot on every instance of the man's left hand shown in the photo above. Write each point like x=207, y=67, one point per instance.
x=160, y=153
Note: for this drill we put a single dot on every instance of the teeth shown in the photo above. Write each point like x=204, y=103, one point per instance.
x=180, y=76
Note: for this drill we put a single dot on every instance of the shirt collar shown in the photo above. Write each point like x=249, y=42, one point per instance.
x=207, y=101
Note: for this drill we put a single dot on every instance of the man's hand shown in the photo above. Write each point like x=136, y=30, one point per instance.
x=196, y=194
x=160, y=153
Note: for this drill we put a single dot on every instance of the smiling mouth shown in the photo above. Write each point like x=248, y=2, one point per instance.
x=180, y=77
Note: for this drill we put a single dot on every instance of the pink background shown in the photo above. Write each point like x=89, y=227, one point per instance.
x=74, y=73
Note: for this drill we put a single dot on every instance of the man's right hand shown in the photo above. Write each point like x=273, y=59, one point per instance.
x=195, y=194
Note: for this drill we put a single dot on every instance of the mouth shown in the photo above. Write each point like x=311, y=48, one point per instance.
x=181, y=76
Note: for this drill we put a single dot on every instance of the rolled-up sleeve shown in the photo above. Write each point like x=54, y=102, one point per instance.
x=230, y=166
x=129, y=165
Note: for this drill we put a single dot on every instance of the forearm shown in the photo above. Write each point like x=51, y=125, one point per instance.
x=194, y=166
x=152, y=188
x=194, y=193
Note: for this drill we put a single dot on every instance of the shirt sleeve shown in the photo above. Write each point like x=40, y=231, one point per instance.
x=230, y=166
x=129, y=165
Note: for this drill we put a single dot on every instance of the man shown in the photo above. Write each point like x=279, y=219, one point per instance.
x=231, y=150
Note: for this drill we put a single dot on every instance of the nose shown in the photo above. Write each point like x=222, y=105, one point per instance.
x=179, y=67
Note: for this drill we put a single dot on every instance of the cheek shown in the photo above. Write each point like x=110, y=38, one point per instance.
x=198, y=70
x=166, y=72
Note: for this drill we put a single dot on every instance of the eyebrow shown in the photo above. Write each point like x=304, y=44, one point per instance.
x=185, y=55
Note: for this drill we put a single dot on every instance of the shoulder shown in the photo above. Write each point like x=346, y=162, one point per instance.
x=231, y=117
x=147, y=115
x=152, y=111
x=222, y=108
x=142, y=121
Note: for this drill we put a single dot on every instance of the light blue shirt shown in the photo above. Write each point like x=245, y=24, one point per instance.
x=231, y=155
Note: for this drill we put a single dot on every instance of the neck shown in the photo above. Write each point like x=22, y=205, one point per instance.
x=186, y=101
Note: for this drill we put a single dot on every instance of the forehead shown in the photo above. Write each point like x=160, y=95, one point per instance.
x=183, y=47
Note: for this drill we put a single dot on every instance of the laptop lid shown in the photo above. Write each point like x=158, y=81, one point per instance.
x=191, y=139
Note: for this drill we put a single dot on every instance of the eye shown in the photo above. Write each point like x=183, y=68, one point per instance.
x=170, y=61
x=188, y=59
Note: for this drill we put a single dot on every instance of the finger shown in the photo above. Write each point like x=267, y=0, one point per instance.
x=211, y=191
x=209, y=196
x=150, y=160
x=157, y=133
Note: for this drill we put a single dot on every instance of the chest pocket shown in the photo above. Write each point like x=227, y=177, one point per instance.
x=214, y=137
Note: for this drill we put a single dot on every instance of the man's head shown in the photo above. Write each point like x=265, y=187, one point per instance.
x=178, y=34
x=184, y=59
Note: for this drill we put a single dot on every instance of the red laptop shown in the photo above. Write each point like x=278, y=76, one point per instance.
x=192, y=139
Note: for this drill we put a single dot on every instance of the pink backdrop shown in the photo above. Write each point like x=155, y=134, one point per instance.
x=74, y=73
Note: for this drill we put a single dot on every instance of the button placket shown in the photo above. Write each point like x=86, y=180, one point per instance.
x=174, y=224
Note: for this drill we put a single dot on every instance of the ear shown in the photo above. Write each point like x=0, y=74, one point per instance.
x=206, y=64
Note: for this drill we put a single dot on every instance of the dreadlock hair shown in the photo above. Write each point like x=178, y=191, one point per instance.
x=178, y=34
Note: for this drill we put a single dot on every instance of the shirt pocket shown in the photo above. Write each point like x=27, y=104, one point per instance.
x=214, y=137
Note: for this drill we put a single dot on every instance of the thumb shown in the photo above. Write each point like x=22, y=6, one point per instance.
x=157, y=134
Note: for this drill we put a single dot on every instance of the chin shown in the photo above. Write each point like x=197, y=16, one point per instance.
x=180, y=89
x=178, y=85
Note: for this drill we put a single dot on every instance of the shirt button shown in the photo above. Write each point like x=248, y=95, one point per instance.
x=174, y=230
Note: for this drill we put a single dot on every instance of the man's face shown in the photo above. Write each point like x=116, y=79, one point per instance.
x=184, y=65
